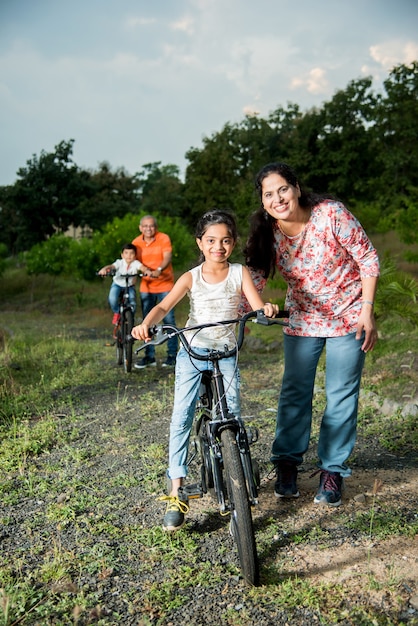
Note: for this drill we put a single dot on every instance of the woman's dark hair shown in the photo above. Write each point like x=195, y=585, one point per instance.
x=216, y=216
x=259, y=250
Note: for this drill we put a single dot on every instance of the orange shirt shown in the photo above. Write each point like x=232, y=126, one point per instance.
x=151, y=254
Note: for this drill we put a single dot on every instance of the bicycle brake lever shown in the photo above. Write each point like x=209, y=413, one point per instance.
x=261, y=318
x=158, y=335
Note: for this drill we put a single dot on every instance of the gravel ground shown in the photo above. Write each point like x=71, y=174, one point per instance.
x=109, y=440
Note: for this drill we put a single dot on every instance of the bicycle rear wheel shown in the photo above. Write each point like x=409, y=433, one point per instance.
x=127, y=325
x=241, y=520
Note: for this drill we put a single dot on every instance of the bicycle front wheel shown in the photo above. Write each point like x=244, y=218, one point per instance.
x=241, y=520
x=127, y=325
x=119, y=346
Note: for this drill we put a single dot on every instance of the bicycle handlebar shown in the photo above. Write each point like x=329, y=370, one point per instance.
x=162, y=333
x=113, y=273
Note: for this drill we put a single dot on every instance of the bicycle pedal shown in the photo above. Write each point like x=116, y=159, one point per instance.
x=190, y=492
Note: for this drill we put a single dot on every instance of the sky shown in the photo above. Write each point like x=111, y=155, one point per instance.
x=142, y=81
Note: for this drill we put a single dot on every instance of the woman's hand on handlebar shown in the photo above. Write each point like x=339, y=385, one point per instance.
x=141, y=332
x=270, y=310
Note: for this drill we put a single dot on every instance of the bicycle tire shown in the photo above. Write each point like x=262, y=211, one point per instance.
x=242, y=529
x=127, y=325
x=119, y=346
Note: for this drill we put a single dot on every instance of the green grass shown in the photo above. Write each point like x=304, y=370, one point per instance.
x=52, y=361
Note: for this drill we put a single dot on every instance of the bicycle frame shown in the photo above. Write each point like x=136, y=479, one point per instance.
x=214, y=418
x=216, y=414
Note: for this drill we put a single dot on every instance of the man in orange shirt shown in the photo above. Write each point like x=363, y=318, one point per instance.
x=154, y=252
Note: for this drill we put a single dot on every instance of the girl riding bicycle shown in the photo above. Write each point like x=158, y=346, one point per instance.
x=214, y=288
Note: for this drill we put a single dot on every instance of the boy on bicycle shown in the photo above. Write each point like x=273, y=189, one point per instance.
x=127, y=264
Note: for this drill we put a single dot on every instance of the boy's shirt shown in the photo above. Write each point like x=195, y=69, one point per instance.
x=121, y=267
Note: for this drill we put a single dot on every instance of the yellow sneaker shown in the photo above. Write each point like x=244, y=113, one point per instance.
x=174, y=515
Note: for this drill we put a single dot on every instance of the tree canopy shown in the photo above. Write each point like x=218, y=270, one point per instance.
x=362, y=146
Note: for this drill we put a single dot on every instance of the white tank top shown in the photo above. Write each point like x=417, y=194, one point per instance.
x=214, y=303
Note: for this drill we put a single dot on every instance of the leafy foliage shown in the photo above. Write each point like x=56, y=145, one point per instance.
x=3, y=255
x=81, y=258
x=109, y=241
x=361, y=146
x=397, y=293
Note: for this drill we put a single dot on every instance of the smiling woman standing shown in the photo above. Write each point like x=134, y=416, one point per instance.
x=331, y=269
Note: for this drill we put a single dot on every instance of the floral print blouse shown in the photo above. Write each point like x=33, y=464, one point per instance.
x=323, y=267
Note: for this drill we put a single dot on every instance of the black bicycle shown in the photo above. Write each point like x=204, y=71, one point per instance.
x=123, y=331
x=222, y=442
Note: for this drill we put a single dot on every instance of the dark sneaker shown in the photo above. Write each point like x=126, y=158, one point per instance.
x=169, y=362
x=330, y=487
x=145, y=362
x=174, y=515
x=285, y=486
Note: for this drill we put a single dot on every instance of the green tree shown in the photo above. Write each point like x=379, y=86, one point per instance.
x=3, y=256
x=109, y=194
x=397, y=158
x=344, y=159
x=397, y=127
x=9, y=219
x=46, y=197
x=161, y=189
x=221, y=174
x=49, y=257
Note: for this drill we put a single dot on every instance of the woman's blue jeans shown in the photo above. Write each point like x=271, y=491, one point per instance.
x=186, y=391
x=148, y=302
x=114, y=293
x=338, y=429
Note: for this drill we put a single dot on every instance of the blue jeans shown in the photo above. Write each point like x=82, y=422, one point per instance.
x=337, y=435
x=148, y=302
x=114, y=294
x=186, y=393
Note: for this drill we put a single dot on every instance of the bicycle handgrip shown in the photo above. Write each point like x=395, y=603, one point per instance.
x=158, y=335
x=268, y=321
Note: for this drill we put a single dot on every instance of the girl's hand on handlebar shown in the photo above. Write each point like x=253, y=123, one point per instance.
x=141, y=332
x=270, y=310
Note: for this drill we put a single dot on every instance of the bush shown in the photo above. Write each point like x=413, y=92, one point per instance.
x=3, y=255
x=109, y=241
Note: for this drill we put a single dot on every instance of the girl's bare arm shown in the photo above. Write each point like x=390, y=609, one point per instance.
x=159, y=312
x=254, y=298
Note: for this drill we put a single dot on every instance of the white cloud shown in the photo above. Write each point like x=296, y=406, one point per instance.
x=132, y=22
x=185, y=24
x=250, y=110
x=247, y=63
x=145, y=81
x=314, y=82
x=391, y=53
